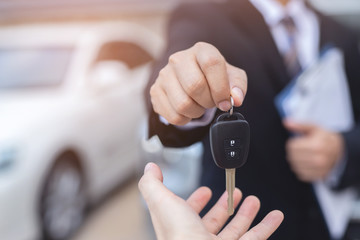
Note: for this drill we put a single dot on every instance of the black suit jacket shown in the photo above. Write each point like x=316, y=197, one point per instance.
x=239, y=31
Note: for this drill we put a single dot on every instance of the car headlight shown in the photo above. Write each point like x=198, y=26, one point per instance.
x=7, y=158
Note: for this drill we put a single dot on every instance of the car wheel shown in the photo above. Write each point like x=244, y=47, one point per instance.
x=63, y=200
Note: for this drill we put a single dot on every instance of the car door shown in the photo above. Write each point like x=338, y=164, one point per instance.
x=117, y=79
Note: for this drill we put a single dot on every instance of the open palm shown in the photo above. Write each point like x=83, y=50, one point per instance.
x=175, y=218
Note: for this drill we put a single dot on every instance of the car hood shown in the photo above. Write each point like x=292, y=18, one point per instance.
x=21, y=111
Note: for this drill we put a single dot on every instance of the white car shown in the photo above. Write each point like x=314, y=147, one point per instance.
x=72, y=117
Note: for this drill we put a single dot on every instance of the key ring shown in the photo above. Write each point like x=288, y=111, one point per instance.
x=231, y=111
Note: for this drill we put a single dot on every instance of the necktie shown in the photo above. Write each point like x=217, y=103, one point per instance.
x=291, y=56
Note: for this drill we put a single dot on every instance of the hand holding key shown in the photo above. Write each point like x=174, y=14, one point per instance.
x=194, y=80
x=175, y=218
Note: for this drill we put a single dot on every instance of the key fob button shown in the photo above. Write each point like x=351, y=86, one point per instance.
x=231, y=143
x=232, y=155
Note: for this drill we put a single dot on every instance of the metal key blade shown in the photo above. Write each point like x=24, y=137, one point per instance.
x=230, y=187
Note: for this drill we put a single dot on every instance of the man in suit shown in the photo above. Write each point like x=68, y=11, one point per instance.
x=208, y=45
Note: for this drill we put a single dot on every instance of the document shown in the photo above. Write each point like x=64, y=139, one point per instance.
x=320, y=96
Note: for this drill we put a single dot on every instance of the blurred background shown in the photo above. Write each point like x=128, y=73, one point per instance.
x=73, y=121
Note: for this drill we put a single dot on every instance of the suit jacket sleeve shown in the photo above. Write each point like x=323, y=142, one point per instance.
x=351, y=174
x=187, y=25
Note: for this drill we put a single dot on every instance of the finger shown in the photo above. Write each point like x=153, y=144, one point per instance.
x=191, y=78
x=217, y=216
x=298, y=144
x=302, y=156
x=266, y=227
x=299, y=150
x=310, y=172
x=162, y=106
x=198, y=199
x=238, y=84
x=213, y=66
x=309, y=176
x=298, y=127
x=302, y=173
x=302, y=165
x=152, y=170
x=180, y=101
x=150, y=184
x=242, y=220
x=303, y=148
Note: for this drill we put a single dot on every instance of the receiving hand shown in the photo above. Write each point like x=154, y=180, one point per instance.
x=175, y=218
x=194, y=80
x=314, y=152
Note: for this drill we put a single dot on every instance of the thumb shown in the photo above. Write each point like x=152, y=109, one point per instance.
x=238, y=84
x=298, y=128
x=150, y=184
x=153, y=171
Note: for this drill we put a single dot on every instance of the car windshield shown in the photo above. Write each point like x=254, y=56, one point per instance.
x=40, y=67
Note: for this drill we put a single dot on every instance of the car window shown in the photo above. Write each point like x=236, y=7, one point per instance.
x=129, y=53
x=39, y=67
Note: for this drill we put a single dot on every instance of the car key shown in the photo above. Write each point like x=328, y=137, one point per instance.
x=229, y=141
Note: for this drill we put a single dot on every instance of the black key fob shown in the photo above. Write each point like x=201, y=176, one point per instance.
x=230, y=140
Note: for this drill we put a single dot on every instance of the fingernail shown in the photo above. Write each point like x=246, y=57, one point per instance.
x=237, y=93
x=147, y=167
x=224, y=105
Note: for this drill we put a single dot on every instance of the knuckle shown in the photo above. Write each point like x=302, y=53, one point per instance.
x=173, y=59
x=201, y=45
x=234, y=231
x=220, y=93
x=153, y=98
x=239, y=73
x=242, y=73
x=155, y=107
x=199, y=113
x=212, y=60
x=184, y=105
x=239, y=78
x=153, y=91
x=213, y=221
x=162, y=74
x=177, y=119
x=176, y=58
x=196, y=85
